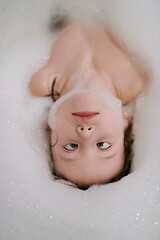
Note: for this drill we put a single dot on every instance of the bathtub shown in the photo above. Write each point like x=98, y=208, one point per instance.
x=32, y=204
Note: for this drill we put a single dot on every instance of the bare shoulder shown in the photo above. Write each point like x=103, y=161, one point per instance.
x=68, y=51
x=129, y=76
x=133, y=82
x=71, y=32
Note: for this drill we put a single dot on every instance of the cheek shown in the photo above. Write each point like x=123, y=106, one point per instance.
x=62, y=133
x=112, y=128
x=64, y=128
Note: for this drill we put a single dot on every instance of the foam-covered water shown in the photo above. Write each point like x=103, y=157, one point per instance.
x=33, y=205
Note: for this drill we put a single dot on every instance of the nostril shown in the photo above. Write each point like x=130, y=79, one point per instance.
x=83, y=129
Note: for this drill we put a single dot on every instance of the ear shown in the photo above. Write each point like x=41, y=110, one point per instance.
x=47, y=127
x=54, y=137
x=127, y=120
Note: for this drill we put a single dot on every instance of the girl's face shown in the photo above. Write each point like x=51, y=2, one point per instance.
x=88, y=138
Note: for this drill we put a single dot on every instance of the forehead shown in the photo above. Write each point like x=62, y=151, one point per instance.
x=83, y=171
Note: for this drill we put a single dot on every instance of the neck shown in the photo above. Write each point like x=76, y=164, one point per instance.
x=88, y=79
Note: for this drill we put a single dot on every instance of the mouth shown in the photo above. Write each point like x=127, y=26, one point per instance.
x=84, y=116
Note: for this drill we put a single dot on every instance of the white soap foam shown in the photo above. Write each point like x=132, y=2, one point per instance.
x=33, y=205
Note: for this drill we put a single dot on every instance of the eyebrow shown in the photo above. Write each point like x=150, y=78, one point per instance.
x=110, y=156
x=76, y=159
x=68, y=158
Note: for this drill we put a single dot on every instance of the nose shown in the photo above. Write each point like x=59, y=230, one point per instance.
x=85, y=130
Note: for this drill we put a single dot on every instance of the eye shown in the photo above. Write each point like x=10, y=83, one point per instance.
x=103, y=145
x=71, y=146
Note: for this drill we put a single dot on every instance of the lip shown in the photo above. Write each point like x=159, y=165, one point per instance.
x=84, y=116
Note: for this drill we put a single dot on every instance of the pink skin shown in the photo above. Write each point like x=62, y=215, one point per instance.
x=76, y=50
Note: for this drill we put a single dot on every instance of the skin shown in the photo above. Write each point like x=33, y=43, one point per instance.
x=88, y=151
x=88, y=161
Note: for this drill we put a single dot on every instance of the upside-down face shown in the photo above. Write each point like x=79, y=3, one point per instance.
x=88, y=136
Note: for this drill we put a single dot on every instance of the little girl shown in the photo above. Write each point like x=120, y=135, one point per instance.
x=90, y=77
